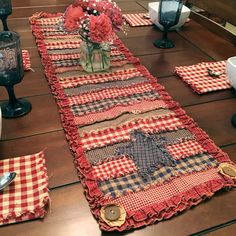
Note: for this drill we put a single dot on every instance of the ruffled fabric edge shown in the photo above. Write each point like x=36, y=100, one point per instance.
x=147, y=215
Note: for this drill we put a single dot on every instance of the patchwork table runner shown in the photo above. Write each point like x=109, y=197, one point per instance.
x=27, y=197
x=205, y=76
x=140, y=158
x=138, y=19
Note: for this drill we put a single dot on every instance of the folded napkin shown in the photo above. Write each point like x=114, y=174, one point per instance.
x=27, y=197
x=26, y=60
x=138, y=19
x=197, y=77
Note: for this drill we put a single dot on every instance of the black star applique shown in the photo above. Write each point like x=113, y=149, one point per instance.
x=146, y=153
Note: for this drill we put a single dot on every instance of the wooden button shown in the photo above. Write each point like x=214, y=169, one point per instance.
x=112, y=212
x=229, y=170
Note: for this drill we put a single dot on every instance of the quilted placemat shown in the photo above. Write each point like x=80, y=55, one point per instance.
x=198, y=78
x=140, y=158
x=138, y=19
x=27, y=197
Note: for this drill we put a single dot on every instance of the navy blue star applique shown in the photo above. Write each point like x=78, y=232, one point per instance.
x=147, y=153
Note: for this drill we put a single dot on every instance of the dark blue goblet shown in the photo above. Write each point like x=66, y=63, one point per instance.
x=169, y=14
x=11, y=73
x=5, y=11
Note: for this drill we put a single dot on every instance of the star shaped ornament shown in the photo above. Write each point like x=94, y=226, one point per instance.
x=147, y=153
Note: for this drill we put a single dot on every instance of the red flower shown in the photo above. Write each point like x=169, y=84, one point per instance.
x=72, y=17
x=100, y=28
x=74, y=12
x=70, y=24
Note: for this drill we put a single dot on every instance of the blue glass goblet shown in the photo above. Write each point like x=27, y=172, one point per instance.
x=5, y=11
x=11, y=73
x=169, y=14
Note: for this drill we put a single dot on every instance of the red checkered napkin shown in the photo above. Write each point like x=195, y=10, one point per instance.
x=26, y=60
x=138, y=19
x=197, y=77
x=27, y=197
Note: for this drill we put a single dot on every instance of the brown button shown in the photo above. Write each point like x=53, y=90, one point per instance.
x=112, y=212
x=229, y=170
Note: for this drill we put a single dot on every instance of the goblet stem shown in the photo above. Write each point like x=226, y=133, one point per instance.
x=164, y=42
x=14, y=107
x=11, y=94
x=4, y=24
x=164, y=36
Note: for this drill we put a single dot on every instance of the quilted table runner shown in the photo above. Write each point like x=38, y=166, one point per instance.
x=140, y=158
x=27, y=197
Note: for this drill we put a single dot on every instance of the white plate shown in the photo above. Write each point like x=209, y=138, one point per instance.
x=153, y=8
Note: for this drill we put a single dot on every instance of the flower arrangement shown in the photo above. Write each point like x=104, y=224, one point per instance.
x=95, y=20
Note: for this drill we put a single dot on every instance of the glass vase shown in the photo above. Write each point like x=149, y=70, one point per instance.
x=94, y=57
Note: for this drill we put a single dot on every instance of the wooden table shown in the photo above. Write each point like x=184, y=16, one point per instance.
x=41, y=128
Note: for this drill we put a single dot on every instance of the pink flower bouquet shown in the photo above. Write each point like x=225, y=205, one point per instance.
x=95, y=20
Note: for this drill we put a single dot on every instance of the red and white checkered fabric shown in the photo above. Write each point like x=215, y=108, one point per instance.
x=27, y=197
x=136, y=108
x=125, y=74
x=122, y=133
x=185, y=149
x=114, y=168
x=138, y=19
x=197, y=77
x=26, y=60
x=110, y=93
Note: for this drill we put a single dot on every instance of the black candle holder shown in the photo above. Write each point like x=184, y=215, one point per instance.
x=11, y=73
x=169, y=14
x=5, y=11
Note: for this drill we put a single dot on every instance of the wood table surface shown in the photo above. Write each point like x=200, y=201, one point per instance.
x=41, y=128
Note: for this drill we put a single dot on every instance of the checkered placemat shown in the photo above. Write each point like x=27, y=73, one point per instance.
x=26, y=59
x=138, y=19
x=198, y=78
x=27, y=197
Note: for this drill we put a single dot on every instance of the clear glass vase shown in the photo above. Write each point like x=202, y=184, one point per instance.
x=94, y=57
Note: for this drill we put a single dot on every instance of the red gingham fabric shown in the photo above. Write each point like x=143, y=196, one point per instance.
x=197, y=77
x=114, y=168
x=138, y=19
x=110, y=93
x=68, y=82
x=63, y=45
x=122, y=133
x=26, y=60
x=113, y=112
x=27, y=197
x=159, y=194
x=185, y=149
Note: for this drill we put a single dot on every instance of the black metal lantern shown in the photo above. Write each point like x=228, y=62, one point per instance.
x=11, y=73
x=5, y=11
x=169, y=14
